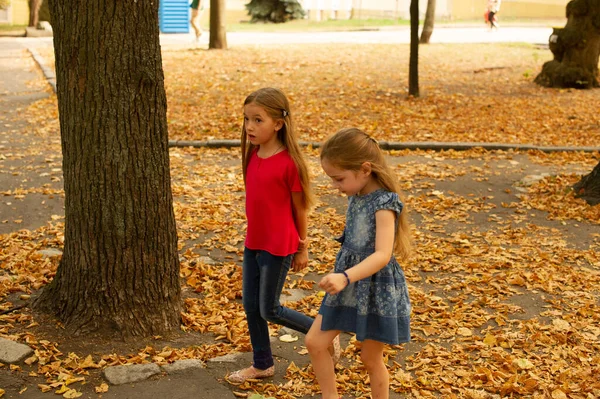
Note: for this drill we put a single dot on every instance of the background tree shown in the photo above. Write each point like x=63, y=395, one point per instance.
x=575, y=47
x=413, y=67
x=119, y=271
x=34, y=12
x=428, y=24
x=218, y=30
x=588, y=188
x=274, y=10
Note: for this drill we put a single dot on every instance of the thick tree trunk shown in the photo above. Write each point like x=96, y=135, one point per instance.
x=588, y=188
x=576, y=49
x=413, y=68
x=428, y=24
x=218, y=31
x=119, y=273
x=34, y=12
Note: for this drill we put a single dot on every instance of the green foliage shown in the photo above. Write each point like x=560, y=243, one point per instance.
x=4, y=4
x=274, y=10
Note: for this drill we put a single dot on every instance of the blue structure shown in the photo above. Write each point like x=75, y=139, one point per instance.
x=174, y=16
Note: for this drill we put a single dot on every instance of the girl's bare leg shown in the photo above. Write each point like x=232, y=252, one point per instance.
x=371, y=355
x=317, y=342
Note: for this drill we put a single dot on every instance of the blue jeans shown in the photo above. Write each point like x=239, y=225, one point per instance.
x=263, y=278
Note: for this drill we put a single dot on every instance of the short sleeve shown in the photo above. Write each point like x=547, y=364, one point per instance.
x=389, y=201
x=293, y=178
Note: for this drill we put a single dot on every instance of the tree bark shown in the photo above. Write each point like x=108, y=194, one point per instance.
x=576, y=49
x=119, y=273
x=34, y=12
x=218, y=31
x=413, y=69
x=588, y=188
x=428, y=24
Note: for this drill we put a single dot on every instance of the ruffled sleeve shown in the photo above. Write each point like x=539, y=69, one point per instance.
x=389, y=200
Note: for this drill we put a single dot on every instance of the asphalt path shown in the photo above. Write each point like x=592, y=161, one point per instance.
x=478, y=34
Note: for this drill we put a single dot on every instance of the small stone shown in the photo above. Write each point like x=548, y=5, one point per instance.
x=118, y=375
x=179, y=366
x=50, y=252
x=286, y=330
x=207, y=260
x=532, y=179
x=13, y=352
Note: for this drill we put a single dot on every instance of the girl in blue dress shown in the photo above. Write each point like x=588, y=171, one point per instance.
x=366, y=294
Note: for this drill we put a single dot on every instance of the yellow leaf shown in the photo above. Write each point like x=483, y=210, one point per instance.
x=101, y=388
x=71, y=393
x=489, y=340
x=71, y=380
x=44, y=388
x=87, y=363
x=558, y=394
x=465, y=332
x=523, y=364
x=288, y=338
x=561, y=325
x=61, y=390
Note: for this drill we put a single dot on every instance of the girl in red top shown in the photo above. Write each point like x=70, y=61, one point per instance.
x=278, y=198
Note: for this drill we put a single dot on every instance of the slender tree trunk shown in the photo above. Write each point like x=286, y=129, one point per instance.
x=428, y=24
x=413, y=70
x=576, y=49
x=588, y=188
x=218, y=31
x=119, y=273
x=34, y=12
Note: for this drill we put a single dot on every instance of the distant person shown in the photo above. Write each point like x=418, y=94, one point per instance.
x=197, y=7
x=366, y=293
x=278, y=199
x=493, y=8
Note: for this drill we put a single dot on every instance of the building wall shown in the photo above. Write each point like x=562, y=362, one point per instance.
x=18, y=13
x=470, y=9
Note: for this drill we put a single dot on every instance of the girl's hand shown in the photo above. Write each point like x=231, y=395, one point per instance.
x=300, y=260
x=333, y=283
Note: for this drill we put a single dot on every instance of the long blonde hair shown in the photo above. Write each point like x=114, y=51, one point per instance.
x=276, y=104
x=349, y=149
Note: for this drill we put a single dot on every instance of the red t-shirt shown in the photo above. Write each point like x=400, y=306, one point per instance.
x=269, y=186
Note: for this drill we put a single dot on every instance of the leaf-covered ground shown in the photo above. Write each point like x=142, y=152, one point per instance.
x=504, y=280
x=470, y=93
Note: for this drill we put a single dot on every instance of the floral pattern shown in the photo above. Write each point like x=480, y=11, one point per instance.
x=377, y=307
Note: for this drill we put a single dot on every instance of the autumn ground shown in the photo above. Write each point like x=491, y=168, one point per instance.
x=505, y=277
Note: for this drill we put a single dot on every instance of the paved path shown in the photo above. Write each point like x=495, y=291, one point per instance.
x=535, y=35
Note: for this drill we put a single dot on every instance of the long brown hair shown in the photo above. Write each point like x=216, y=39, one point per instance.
x=349, y=149
x=277, y=106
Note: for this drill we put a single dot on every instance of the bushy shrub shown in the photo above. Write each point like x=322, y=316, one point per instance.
x=274, y=10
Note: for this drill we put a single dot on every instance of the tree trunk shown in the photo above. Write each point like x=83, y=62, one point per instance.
x=428, y=24
x=576, y=48
x=588, y=188
x=413, y=69
x=34, y=12
x=218, y=31
x=119, y=273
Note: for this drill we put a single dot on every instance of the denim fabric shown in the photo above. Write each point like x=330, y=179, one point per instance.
x=263, y=278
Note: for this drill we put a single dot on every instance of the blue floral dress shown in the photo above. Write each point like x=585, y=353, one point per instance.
x=376, y=307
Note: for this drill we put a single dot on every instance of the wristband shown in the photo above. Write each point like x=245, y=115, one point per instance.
x=347, y=278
